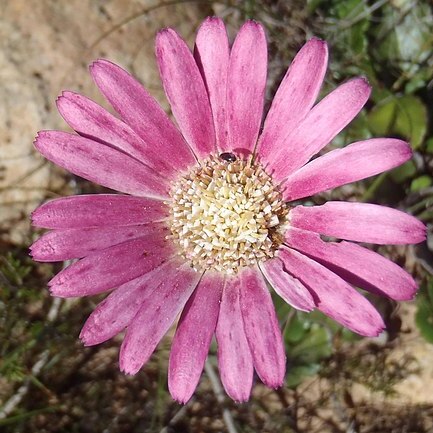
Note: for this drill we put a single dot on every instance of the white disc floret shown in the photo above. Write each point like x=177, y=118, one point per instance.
x=227, y=214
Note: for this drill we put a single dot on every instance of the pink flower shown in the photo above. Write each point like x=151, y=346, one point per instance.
x=204, y=220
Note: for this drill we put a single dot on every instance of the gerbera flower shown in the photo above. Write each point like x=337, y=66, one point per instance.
x=204, y=222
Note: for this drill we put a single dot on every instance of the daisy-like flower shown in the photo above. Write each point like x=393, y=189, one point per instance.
x=204, y=223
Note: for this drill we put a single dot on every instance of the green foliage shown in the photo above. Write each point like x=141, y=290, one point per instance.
x=306, y=355
x=353, y=18
x=424, y=315
x=13, y=269
x=429, y=146
x=403, y=172
x=404, y=116
x=308, y=342
x=395, y=55
x=17, y=333
x=403, y=35
x=420, y=183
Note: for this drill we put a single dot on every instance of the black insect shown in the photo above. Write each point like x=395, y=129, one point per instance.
x=227, y=156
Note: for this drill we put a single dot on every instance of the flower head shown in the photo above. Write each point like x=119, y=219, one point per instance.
x=205, y=221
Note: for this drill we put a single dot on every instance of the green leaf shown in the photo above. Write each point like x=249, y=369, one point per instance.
x=403, y=37
x=424, y=315
x=429, y=292
x=429, y=146
x=403, y=172
x=282, y=308
x=308, y=344
x=312, y=5
x=420, y=183
x=404, y=116
x=352, y=24
x=296, y=329
x=314, y=346
x=297, y=374
x=424, y=319
x=418, y=79
x=411, y=121
x=382, y=117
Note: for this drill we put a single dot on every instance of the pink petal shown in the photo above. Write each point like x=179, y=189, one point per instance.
x=116, y=311
x=193, y=337
x=212, y=55
x=100, y=164
x=142, y=113
x=362, y=222
x=334, y=296
x=112, y=267
x=341, y=166
x=98, y=210
x=357, y=265
x=185, y=91
x=234, y=356
x=295, y=96
x=319, y=127
x=262, y=328
x=156, y=315
x=289, y=288
x=59, y=245
x=246, y=86
x=91, y=120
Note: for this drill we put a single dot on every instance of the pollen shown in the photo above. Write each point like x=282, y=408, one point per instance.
x=226, y=214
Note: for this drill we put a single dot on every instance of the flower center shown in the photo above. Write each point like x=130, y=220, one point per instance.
x=226, y=214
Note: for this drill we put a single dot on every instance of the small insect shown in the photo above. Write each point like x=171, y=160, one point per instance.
x=227, y=156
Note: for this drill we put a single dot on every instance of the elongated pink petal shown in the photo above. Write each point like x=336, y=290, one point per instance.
x=361, y=222
x=289, y=288
x=262, y=328
x=155, y=316
x=142, y=113
x=295, y=96
x=193, y=337
x=185, y=91
x=334, y=296
x=116, y=311
x=319, y=127
x=91, y=120
x=98, y=210
x=100, y=164
x=234, y=356
x=357, y=265
x=341, y=166
x=212, y=55
x=59, y=245
x=246, y=86
x=112, y=267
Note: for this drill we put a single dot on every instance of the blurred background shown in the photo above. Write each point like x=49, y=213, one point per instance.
x=336, y=381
